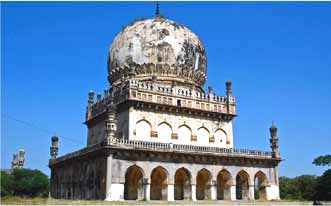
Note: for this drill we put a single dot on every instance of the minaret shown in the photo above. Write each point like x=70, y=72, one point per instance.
x=228, y=92
x=54, y=148
x=90, y=103
x=14, y=163
x=21, y=158
x=274, y=141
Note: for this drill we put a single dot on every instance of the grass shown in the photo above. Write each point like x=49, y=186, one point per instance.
x=49, y=201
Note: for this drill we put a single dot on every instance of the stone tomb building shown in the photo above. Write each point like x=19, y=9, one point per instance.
x=156, y=134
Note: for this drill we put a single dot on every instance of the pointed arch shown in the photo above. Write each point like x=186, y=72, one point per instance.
x=182, y=184
x=203, y=186
x=133, y=186
x=143, y=130
x=184, y=134
x=220, y=137
x=260, y=184
x=164, y=131
x=159, y=184
x=223, y=184
x=242, y=185
x=203, y=135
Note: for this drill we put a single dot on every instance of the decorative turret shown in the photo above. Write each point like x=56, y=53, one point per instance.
x=228, y=88
x=228, y=94
x=274, y=140
x=90, y=97
x=110, y=123
x=157, y=10
x=21, y=159
x=54, y=148
x=90, y=103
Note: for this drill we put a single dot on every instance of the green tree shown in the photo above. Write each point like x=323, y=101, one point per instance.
x=324, y=160
x=29, y=183
x=323, y=187
x=298, y=188
x=6, y=183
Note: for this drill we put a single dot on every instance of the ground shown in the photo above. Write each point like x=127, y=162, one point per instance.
x=47, y=201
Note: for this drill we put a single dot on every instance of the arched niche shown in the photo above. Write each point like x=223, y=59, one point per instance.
x=184, y=134
x=164, y=131
x=220, y=137
x=143, y=130
x=203, y=136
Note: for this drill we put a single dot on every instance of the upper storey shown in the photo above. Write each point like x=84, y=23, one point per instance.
x=157, y=47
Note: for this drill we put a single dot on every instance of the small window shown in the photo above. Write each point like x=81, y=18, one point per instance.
x=179, y=103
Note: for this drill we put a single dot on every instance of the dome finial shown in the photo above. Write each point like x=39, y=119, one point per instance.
x=157, y=11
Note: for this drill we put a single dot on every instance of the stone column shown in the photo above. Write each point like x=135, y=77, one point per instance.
x=108, y=177
x=233, y=192
x=171, y=192
x=147, y=186
x=193, y=192
x=251, y=192
x=213, y=190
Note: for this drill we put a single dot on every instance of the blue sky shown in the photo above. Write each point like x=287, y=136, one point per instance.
x=277, y=54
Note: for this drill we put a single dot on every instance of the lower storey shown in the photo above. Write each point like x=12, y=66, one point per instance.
x=153, y=180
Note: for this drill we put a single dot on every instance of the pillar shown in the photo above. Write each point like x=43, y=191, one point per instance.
x=213, y=190
x=194, y=192
x=251, y=192
x=108, y=177
x=147, y=186
x=233, y=192
x=171, y=192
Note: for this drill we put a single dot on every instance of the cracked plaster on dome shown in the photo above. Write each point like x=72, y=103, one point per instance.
x=157, y=41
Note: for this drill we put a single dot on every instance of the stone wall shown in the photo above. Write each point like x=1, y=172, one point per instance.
x=179, y=129
x=79, y=178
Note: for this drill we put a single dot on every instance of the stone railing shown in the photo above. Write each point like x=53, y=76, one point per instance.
x=180, y=92
x=137, y=144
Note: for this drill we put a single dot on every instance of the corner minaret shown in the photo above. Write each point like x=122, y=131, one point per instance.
x=54, y=148
x=274, y=141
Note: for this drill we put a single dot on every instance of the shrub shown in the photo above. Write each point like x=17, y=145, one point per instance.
x=6, y=183
x=24, y=183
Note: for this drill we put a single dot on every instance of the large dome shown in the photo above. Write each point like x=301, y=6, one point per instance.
x=158, y=48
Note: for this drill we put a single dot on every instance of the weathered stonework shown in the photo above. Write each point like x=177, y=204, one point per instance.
x=156, y=134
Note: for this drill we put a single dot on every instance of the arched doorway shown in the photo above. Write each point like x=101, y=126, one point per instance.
x=242, y=185
x=182, y=184
x=159, y=184
x=260, y=184
x=133, y=187
x=203, y=191
x=224, y=180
